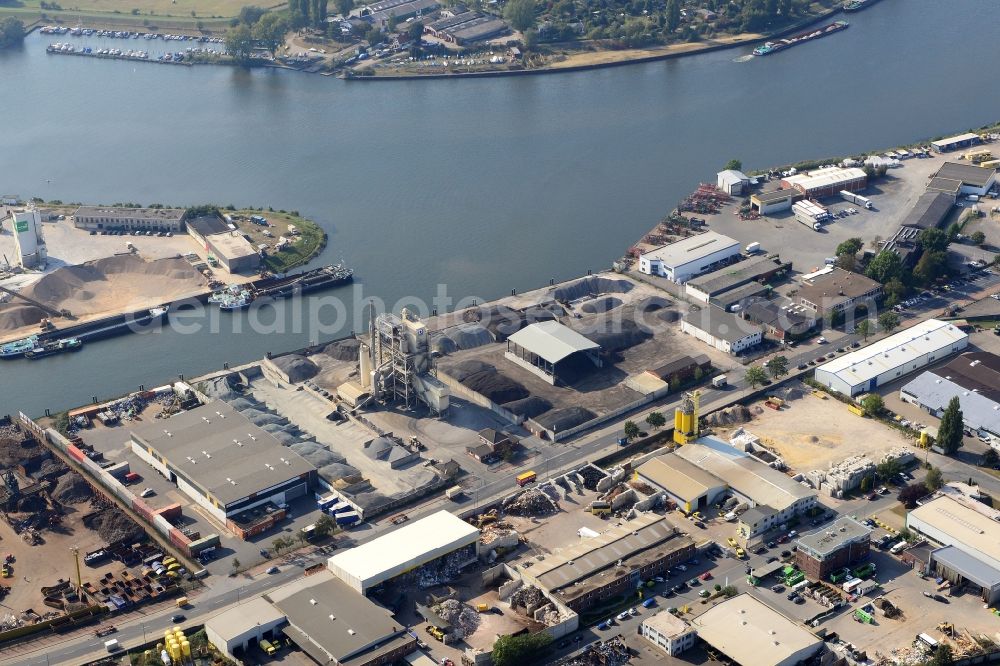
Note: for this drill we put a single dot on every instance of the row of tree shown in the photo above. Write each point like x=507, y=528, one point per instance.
x=11, y=31
x=775, y=368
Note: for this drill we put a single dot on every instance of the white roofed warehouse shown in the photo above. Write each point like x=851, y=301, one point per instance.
x=439, y=539
x=750, y=633
x=548, y=347
x=827, y=182
x=684, y=259
x=891, y=358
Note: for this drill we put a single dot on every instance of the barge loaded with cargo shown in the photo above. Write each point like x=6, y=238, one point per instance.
x=768, y=48
x=237, y=297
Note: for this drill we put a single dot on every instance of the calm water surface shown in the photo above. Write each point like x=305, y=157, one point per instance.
x=482, y=185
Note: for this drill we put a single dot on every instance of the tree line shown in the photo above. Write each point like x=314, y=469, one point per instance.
x=11, y=32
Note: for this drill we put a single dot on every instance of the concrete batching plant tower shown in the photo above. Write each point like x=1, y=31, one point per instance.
x=686, y=419
x=28, y=241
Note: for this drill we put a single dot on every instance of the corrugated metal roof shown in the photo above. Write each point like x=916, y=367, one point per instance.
x=962, y=521
x=934, y=392
x=692, y=248
x=679, y=477
x=552, y=341
x=823, y=178
x=968, y=566
x=893, y=352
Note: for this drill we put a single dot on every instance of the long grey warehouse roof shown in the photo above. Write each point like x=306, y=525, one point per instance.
x=735, y=275
x=968, y=565
x=692, y=248
x=221, y=451
x=930, y=210
x=969, y=174
x=721, y=325
x=581, y=560
x=776, y=195
x=552, y=341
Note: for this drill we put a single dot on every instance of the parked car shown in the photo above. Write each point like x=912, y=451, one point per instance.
x=778, y=588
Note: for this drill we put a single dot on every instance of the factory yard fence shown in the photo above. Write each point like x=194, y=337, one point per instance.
x=110, y=484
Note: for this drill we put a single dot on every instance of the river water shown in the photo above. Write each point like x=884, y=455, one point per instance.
x=482, y=185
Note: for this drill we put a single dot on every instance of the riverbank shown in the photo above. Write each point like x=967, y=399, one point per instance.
x=595, y=58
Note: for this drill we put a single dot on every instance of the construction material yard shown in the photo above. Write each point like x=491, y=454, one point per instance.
x=811, y=432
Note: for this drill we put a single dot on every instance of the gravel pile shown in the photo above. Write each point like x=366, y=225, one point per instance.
x=72, y=489
x=484, y=378
x=602, y=304
x=464, y=619
x=591, y=286
x=343, y=350
x=729, y=416
x=469, y=336
x=618, y=335
x=529, y=407
x=297, y=367
x=651, y=304
x=567, y=417
x=531, y=502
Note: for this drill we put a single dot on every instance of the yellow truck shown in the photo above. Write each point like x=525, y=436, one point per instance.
x=267, y=647
x=182, y=602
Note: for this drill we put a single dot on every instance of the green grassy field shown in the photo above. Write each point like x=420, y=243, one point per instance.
x=211, y=14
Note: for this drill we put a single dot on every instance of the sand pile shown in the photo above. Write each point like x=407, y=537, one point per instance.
x=103, y=286
x=729, y=416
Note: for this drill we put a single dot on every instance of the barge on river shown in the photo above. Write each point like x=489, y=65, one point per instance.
x=768, y=48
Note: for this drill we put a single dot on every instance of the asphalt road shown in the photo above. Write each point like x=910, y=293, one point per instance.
x=552, y=460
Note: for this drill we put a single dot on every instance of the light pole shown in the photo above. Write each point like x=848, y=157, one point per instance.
x=143, y=634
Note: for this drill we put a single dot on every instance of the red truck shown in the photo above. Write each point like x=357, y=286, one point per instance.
x=132, y=477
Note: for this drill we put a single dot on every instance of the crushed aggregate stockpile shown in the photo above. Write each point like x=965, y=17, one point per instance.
x=502, y=321
x=529, y=407
x=591, y=286
x=102, y=286
x=729, y=416
x=669, y=316
x=244, y=403
x=262, y=418
x=617, y=335
x=297, y=367
x=72, y=489
x=527, y=596
x=221, y=389
x=469, y=336
x=442, y=344
x=601, y=304
x=378, y=448
x=531, y=502
x=464, y=620
x=484, y=379
x=343, y=350
x=651, y=304
x=567, y=417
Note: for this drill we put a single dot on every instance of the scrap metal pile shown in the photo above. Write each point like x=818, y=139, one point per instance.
x=442, y=571
x=707, y=199
x=612, y=652
x=464, y=619
x=531, y=502
x=495, y=532
x=527, y=596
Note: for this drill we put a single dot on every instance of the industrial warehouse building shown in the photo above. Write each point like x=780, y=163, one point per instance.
x=732, y=182
x=779, y=323
x=837, y=290
x=329, y=622
x=749, y=480
x=970, y=534
x=755, y=269
x=832, y=547
x=466, y=27
x=548, y=348
x=827, y=182
x=427, y=541
x=775, y=201
x=684, y=259
x=129, y=219
x=722, y=330
x=929, y=212
x=975, y=179
x=955, y=142
x=690, y=487
x=333, y=624
x=949, y=187
x=234, y=252
x=891, y=358
x=225, y=463
x=751, y=633
x=974, y=378
x=611, y=564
